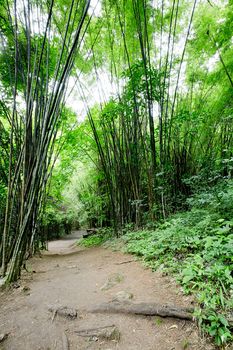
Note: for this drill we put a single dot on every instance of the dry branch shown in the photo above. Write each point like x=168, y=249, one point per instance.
x=125, y=262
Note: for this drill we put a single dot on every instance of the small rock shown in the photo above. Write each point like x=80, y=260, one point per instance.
x=67, y=312
x=25, y=288
x=72, y=267
x=2, y=281
x=112, y=281
x=108, y=333
x=64, y=311
x=123, y=296
x=15, y=285
x=93, y=338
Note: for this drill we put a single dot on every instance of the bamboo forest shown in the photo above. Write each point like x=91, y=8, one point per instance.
x=116, y=164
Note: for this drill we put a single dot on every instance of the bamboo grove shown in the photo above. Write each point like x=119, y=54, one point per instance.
x=164, y=132
x=163, y=136
x=40, y=81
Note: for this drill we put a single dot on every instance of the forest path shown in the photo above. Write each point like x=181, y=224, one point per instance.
x=79, y=278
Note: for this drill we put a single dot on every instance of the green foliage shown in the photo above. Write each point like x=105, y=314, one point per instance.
x=83, y=196
x=55, y=222
x=137, y=84
x=100, y=238
x=215, y=324
x=158, y=321
x=197, y=246
x=92, y=241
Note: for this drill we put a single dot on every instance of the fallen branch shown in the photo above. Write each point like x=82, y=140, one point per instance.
x=146, y=309
x=54, y=315
x=125, y=262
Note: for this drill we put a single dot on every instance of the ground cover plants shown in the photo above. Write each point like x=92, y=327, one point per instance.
x=196, y=246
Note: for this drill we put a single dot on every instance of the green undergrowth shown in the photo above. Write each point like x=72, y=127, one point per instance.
x=197, y=246
x=98, y=239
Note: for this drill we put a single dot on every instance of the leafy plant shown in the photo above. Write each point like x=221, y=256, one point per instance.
x=197, y=247
x=97, y=239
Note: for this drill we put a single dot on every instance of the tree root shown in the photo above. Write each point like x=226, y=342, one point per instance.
x=65, y=342
x=146, y=309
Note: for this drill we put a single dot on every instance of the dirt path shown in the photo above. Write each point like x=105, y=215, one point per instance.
x=79, y=278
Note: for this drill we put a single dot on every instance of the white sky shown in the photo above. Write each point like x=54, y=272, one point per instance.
x=96, y=92
x=95, y=8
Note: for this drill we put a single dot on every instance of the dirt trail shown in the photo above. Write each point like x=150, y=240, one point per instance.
x=79, y=278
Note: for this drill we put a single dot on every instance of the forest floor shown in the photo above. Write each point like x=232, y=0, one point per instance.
x=78, y=278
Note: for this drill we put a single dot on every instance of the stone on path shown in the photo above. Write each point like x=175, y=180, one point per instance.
x=112, y=281
x=107, y=333
x=123, y=296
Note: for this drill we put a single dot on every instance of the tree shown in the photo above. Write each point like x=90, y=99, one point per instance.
x=41, y=82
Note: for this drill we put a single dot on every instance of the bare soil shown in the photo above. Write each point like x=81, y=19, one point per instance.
x=78, y=278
